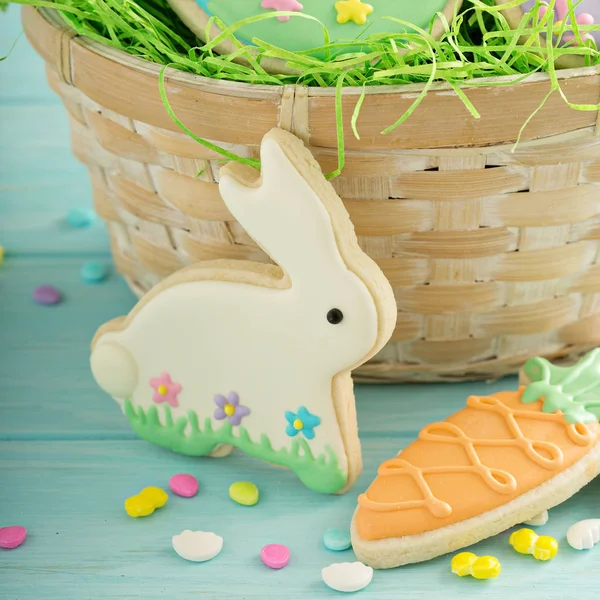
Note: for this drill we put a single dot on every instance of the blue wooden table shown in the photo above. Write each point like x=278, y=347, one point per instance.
x=68, y=458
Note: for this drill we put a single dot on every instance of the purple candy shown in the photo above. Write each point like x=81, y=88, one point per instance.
x=11, y=537
x=46, y=295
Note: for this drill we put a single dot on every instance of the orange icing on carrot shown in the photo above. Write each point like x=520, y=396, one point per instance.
x=483, y=456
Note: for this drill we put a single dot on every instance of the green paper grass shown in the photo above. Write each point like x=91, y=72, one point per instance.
x=476, y=45
x=321, y=473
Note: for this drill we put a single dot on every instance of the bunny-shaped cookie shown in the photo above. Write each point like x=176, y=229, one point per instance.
x=229, y=354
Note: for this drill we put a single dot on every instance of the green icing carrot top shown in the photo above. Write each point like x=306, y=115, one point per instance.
x=573, y=390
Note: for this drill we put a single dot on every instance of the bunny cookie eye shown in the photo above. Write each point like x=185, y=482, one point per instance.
x=335, y=316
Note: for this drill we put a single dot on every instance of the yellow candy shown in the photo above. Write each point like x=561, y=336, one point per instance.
x=527, y=541
x=479, y=567
x=138, y=506
x=155, y=495
x=146, y=502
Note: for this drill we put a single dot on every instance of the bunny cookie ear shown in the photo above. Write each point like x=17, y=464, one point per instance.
x=283, y=207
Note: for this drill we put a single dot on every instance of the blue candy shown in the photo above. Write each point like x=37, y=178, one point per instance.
x=80, y=217
x=337, y=539
x=94, y=272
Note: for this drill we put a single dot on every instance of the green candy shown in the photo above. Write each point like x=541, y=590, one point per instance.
x=244, y=492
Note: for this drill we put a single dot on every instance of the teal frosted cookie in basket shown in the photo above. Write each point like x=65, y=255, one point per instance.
x=302, y=28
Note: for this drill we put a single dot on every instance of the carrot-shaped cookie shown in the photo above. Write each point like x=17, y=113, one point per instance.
x=502, y=460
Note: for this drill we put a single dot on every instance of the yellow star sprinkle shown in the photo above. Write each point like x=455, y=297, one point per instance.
x=352, y=10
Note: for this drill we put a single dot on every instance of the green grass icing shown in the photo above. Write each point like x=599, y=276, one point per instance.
x=321, y=473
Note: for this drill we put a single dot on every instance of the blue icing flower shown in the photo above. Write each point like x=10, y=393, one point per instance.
x=302, y=421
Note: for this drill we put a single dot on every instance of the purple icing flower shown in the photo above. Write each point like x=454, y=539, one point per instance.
x=230, y=408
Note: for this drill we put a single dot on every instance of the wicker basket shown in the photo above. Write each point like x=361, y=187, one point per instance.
x=493, y=254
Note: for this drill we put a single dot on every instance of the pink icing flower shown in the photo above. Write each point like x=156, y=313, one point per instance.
x=561, y=10
x=282, y=5
x=165, y=390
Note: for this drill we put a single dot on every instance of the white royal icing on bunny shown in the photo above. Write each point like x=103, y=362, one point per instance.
x=258, y=357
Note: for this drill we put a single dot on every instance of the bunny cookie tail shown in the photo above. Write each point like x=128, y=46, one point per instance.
x=114, y=369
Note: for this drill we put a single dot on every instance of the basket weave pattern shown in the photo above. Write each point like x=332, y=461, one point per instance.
x=492, y=254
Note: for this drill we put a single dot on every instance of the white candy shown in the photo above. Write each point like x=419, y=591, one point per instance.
x=347, y=577
x=583, y=535
x=197, y=546
x=538, y=520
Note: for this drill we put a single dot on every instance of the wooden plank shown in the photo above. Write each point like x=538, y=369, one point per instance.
x=23, y=71
x=33, y=220
x=40, y=181
x=47, y=388
x=81, y=544
x=39, y=147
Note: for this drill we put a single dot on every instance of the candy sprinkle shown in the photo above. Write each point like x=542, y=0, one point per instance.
x=480, y=567
x=138, y=506
x=80, y=217
x=94, y=272
x=337, y=539
x=155, y=495
x=244, y=492
x=275, y=556
x=46, y=295
x=146, y=502
x=184, y=485
x=197, y=546
x=12, y=537
x=527, y=541
x=347, y=577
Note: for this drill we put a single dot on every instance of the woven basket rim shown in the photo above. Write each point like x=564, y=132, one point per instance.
x=234, y=88
x=445, y=199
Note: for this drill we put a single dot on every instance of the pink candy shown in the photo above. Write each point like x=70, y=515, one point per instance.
x=184, y=485
x=275, y=556
x=11, y=537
